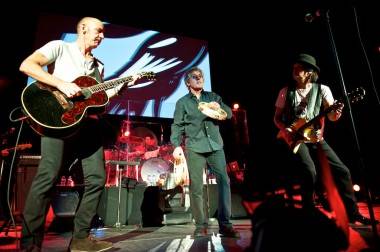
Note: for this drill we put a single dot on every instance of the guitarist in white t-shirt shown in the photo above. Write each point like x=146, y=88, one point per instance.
x=65, y=62
x=300, y=113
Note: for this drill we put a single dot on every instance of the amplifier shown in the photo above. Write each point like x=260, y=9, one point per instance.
x=29, y=160
x=25, y=172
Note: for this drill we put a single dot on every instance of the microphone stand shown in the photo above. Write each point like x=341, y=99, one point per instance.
x=346, y=99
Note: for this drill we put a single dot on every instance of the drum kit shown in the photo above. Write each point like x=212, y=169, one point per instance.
x=137, y=155
x=143, y=159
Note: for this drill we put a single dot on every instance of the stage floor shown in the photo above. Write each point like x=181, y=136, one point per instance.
x=178, y=237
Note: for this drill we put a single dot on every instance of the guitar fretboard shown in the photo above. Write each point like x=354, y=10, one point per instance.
x=109, y=84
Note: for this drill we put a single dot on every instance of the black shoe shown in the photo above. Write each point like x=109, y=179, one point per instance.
x=89, y=244
x=200, y=232
x=229, y=232
x=362, y=219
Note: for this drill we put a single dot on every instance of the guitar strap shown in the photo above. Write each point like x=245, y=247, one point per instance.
x=314, y=103
x=313, y=107
x=288, y=116
x=96, y=74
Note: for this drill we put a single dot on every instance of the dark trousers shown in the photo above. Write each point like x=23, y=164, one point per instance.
x=87, y=146
x=306, y=158
x=196, y=163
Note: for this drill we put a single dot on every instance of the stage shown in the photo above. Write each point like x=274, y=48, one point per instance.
x=179, y=237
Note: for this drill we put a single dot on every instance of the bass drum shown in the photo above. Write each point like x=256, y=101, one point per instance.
x=154, y=171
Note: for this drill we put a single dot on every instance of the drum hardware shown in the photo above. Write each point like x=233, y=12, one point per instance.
x=170, y=193
x=179, y=197
x=122, y=164
x=130, y=139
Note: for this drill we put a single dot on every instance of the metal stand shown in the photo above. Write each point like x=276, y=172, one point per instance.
x=119, y=175
x=369, y=195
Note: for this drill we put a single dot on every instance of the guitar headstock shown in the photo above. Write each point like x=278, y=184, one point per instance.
x=149, y=75
x=356, y=95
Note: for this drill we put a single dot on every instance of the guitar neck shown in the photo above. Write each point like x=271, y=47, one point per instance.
x=110, y=84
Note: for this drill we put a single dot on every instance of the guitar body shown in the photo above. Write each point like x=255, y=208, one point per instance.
x=52, y=113
x=299, y=134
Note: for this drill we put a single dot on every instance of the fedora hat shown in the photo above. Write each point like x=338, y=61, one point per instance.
x=308, y=61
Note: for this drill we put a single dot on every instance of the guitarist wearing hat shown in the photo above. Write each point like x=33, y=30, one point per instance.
x=301, y=109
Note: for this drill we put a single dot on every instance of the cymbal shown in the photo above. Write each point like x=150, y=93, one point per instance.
x=144, y=132
x=130, y=139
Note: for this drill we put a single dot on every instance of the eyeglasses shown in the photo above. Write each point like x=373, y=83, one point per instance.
x=196, y=77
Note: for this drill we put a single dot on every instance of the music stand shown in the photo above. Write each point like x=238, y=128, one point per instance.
x=123, y=164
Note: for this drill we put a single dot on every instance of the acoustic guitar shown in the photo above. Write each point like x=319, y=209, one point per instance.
x=51, y=113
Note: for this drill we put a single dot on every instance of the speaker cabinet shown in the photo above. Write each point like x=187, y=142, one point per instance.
x=108, y=206
x=65, y=202
x=130, y=203
x=25, y=172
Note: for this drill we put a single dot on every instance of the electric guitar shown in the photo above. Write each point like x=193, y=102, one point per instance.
x=51, y=113
x=5, y=152
x=302, y=130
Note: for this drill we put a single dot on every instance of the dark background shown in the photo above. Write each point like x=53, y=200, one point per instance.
x=251, y=46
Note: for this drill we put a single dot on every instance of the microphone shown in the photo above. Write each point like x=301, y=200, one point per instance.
x=311, y=16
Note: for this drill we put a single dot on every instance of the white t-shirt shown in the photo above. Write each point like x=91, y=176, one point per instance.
x=301, y=102
x=69, y=62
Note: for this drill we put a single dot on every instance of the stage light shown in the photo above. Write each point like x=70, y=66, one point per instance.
x=235, y=106
x=356, y=188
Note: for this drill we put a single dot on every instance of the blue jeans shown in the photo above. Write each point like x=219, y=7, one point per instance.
x=216, y=161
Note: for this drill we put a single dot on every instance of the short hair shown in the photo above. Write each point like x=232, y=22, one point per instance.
x=85, y=21
x=188, y=73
